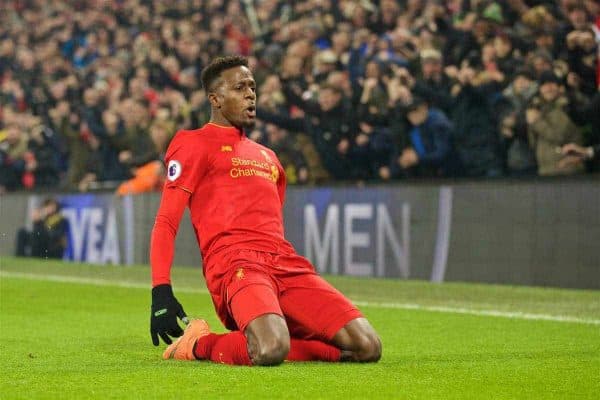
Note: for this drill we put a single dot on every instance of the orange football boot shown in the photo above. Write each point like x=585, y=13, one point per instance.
x=183, y=348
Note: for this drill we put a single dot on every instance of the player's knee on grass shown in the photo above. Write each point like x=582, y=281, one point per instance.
x=270, y=352
x=368, y=348
x=268, y=340
x=358, y=341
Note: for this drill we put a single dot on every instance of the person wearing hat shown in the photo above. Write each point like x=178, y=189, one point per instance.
x=549, y=126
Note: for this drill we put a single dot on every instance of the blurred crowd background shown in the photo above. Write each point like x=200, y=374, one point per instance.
x=91, y=92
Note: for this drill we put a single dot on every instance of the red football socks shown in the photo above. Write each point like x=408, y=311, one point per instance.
x=230, y=348
x=312, y=350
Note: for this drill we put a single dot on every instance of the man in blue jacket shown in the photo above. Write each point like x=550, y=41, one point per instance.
x=424, y=146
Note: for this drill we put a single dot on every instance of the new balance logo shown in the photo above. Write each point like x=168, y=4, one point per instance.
x=226, y=147
x=160, y=312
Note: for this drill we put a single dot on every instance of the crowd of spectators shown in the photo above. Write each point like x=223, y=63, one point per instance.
x=91, y=92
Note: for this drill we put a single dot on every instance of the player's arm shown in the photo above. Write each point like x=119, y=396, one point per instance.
x=165, y=308
x=162, y=240
x=185, y=166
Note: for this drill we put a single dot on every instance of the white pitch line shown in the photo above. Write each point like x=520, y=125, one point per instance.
x=486, y=313
x=90, y=281
x=400, y=306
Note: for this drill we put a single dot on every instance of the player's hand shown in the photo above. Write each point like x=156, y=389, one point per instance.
x=164, y=312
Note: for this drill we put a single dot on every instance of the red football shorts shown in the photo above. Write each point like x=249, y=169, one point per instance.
x=260, y=283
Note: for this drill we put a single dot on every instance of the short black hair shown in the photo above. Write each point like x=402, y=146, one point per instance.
x=417, y=101
x=213, y=71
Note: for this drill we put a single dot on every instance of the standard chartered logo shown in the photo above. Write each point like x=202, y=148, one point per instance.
x=243, y=167
x=236, y=161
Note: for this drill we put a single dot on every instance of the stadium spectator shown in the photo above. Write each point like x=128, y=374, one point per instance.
x=42, y=158
x=13, y=150
x=432, y=83
x=48, y=238
x=372, y=108
x=81, y=142
x=518, y=157
x=550, y=126
x=424, y=143
x=112, y=169
x=472, y=113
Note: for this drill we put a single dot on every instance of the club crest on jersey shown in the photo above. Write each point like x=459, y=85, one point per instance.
x=240, y=274
x=173, y=170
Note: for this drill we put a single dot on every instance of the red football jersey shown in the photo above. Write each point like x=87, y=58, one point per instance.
x=236, y=188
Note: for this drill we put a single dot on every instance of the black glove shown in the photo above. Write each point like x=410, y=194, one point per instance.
x=164, y=312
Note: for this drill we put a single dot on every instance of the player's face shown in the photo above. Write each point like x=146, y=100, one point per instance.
x=237, y=97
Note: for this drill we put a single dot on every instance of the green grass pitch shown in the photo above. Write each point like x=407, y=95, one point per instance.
x=72, y=331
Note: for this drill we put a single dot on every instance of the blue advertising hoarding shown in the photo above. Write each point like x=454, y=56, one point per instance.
x=94, y=235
